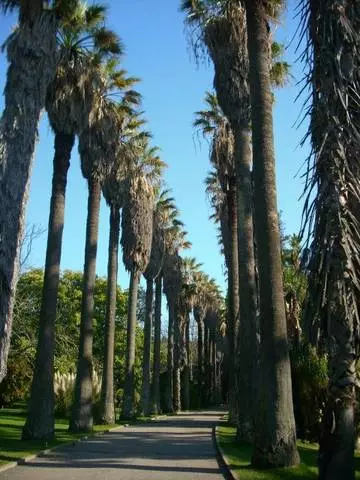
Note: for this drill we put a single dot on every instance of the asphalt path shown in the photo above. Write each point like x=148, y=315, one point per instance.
x=176, y=447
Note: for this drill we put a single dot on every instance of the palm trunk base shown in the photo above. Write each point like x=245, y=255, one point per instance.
x=280, y=453
x=107, y=414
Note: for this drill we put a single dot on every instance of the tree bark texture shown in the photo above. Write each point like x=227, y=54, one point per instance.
x=82, y=417
x=170, y=358
x=40, y=423
x=128, y=407
x=157, y=345
x=200, y=372
x=207, y=383
x=177, y=362
x=186, y=374
x=31, y=53
x=145, y=393
x=107, y=407
x=234, y=303
x=275, y=434
x=247, y=349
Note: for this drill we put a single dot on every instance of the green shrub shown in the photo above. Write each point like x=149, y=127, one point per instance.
x=310, y=380
x=16, y=384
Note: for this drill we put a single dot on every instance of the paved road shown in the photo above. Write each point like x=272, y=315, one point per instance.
x=178, y=447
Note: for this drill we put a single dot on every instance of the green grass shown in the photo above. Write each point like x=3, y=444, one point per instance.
x=239, y=455
x=12, y=448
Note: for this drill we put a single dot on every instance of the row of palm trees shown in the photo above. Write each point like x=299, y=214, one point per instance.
x=236, y=36
x=90, y=97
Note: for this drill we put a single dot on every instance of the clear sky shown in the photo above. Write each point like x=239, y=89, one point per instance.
x=173, y=88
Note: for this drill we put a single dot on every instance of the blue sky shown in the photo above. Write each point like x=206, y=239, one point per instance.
x=173, y=88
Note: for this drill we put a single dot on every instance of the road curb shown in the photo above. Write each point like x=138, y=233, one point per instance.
x=221, y=457
x=43, y=453
x=7, y=466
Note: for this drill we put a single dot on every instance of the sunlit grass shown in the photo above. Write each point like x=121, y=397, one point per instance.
x=239, y=455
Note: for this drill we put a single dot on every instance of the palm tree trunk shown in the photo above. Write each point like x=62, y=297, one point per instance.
x=31, y=53
x=145, y=394
x=233, y=314
x=200, y=372
x=128, y=407
x=82, y=418
x=107, y=407
x=157, y=345
x=186, y=375
x=40, y=418
x=336, y=452
x=177, y=362
x=207, y=366
x=247, y=348
x=275, y=434
x=213, y=373
x=170, y=358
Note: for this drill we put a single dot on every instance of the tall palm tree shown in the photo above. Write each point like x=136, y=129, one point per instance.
x=68, y=102
x=31, y=52
x=153, y=270
x=164, y=215
x=98, y=147
x=114, y=193
x=175, y=240
x=137, y=228
x=275, y=435
x=333, y=47
x=189, y=268
x=213, y=123
x=200, y=307
x=225, y=26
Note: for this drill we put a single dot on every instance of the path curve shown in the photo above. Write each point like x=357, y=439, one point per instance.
x=171, y=448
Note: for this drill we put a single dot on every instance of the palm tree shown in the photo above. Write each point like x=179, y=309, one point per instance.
x=153, y=270
x=98, y=148
x=200, y=306
x=31, y=52
x=189, y=268
x=175, y=240
x=68, y=102
x=114, y=194
x=275, y=435
x=137, y=228
x=165, y=214
x=202, y=302
x=333, y=217
x=213, y=122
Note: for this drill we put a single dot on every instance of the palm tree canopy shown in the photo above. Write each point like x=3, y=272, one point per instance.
x=137, y=224
x=220, y=216
x=100, y=141
x=163, y=212
x=143, y=176
x=212, y=122
x=83, y=43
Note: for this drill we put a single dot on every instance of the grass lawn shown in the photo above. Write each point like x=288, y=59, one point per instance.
x=239, y=454
x=12, y=447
